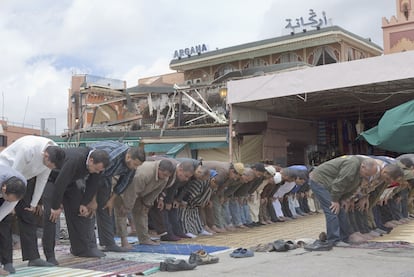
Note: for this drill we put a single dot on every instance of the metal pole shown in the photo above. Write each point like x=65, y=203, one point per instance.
x=230, y=133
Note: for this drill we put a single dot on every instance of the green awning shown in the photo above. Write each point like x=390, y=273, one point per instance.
x=172, y=149
x=176, y=149
x=395, y=130
x=158, y=147
x=208, y=145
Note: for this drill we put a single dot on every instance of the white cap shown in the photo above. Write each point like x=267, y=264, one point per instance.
x=271, y=170
x=277, y=178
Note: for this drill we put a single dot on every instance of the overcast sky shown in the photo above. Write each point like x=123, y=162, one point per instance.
x=44, y=42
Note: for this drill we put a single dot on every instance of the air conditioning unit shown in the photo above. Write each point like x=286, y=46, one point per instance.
x=197, y=81
x=189, y=82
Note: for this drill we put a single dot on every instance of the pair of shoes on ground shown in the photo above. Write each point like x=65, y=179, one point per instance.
x=283, y=246
x=242, y=253
x=171, y=264
x=263, y=247
x=39, y=262
x=115, y=248
x=201, y=257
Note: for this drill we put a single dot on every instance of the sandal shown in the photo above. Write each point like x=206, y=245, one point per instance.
x=243, y=253
x=201, y=257
x=266, y=247
x=237, y=251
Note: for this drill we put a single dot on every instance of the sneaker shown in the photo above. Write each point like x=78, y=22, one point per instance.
x=201, y=257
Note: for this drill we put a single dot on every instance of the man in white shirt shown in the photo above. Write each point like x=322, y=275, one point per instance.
x=12, y=189
x=34, y=157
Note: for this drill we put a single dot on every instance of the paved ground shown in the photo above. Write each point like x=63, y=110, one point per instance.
x=299, y=262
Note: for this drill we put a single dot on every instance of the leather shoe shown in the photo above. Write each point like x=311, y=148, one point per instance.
x=176, y=265
x=319, y=245
x=280, y=245
x=94, y=252
x=39, y=262
x=115, y=248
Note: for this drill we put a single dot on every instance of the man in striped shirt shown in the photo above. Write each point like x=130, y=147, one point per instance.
x=123, y=161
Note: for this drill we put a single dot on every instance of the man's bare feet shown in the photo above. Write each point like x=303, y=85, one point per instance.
x=218, y=230
x=208, y=229
x=356, y=238
x=125, y=243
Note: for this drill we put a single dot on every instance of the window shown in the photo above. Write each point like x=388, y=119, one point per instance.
x=224, y=69
x=324, y=55
x=289, y=58
x=3, y=141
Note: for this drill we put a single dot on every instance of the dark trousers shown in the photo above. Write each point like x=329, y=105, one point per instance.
x=49, y=228
x=105, y=222
x=271, y=210
x=165, y=220
x=170, y=218
x=155, y=219
x=80, y=229
x=6, y=241
x=27, y=224
x=377, y=217
x=285, y=207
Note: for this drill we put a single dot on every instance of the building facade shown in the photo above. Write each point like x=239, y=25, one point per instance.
x=398, y=31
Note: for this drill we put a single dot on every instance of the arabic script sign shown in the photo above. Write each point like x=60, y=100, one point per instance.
x=312, y=21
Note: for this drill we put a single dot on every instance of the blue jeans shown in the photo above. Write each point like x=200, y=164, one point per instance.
x=226, y=212
x=245, y=214
x=235, y=210
x=337, y=225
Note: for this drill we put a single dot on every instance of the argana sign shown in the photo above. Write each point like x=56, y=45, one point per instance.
x=193, y=50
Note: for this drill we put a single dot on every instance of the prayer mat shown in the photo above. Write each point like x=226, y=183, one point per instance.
x=175, y=248
x=382, y=245
x=34, y=271
x=113, y=266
